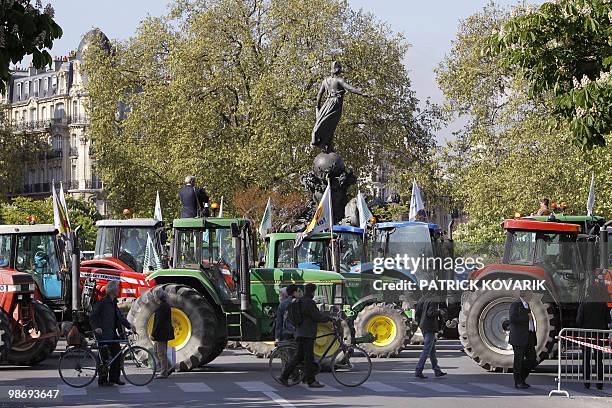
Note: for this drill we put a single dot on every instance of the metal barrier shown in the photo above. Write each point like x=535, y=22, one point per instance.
x=584, y=355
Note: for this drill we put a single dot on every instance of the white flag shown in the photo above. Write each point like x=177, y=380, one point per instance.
x=364, y=212
x=221, y=208
x=322, y=220
x=151, y=260
x=591, y=199
x=59, y=216
x=266, y=220
x=62, y=199
x=157, y=214
x=416, y=201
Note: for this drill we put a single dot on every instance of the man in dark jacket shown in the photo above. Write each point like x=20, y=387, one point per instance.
x=108, y=322
x=305, y=334
x=593, y=313
x=194, y=200
x=523, y=339
x=283, y=329
x=427, y=314
x=162, y=331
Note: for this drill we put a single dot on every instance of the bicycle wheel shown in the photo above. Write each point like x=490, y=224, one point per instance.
x=78, y=367
x=352, y=367
x=138, y=365
x=279, y=358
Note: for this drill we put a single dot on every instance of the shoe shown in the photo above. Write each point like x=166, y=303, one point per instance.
x=420, y=375
x=118, y=382
x=521, y=386
x=283, y=381
x=316, y=384
x=599, y=386
x=528, y=386
x=105, y=384
x=440, y=374
x=587, y=386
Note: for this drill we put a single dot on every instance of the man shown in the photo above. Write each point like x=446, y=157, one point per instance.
x=162, y=331
x=523, y=339
x=427, y=314
x=305, y=334
x=544, y=210
x=108, y=322
x=194, y=199
x=283, y=329
x=593, y=314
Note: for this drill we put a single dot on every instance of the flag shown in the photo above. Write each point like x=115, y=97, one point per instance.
x=416, y=201
x=151, y=260
x=62, y=199
x=266, y=220
x=322, y=220
x=221, y=208
x=591, y=199
x=364, y=212
x=59, y=214
x=157, y=214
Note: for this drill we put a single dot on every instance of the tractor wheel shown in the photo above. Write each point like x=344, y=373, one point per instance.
x=387, y=323
x=260, y=349
x=34, y=352
x=233, y=345
x=484, y=323
x=322, y=342
x=216, y=352
x=125, y=304
x=193, y=318
x=6, y=335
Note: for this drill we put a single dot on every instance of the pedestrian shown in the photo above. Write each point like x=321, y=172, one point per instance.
x=523, y=339
x=544, y=209
x=305, y=334
x=194, y=199
x=162, y=331
x=593, y=314
x=283, y=329
x=108, y=323
x=427, y=315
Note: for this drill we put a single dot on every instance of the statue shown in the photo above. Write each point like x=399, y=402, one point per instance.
x=328, y=115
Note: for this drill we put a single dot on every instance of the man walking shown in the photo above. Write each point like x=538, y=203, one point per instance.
x=283, y=329
x=162, y=331
x=108, y=322
x=427, y=314
x=194, y=199
x=305, y=333
x=523, y=339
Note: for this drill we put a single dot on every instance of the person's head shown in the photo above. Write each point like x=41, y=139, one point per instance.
x=291, y=290
x=336, y=68
x=160, y=296
x=282, y=294
x=524, y=294
x=544, y=202
x=310, y=289
x=190, y=180
x=112, y=289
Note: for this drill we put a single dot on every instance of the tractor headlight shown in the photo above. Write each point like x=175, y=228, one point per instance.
x=339, y=294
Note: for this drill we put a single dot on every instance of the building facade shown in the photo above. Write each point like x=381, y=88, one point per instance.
x=52, y=102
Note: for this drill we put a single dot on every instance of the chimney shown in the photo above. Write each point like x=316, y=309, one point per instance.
x=57, y=63
x=31, y=70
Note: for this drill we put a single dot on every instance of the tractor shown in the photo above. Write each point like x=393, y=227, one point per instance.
x=374, y=312
x=217, y=295
x=554, y=253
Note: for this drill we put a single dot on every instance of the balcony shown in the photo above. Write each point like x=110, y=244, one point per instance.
x=74, y=152
x=79, y=120
x=71, y=185
x=51, y=154
x=93, y=184
x=45, y=124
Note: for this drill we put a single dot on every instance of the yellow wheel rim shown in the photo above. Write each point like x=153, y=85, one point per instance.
x=383, y=329
x=182, y=328
x=324, y=339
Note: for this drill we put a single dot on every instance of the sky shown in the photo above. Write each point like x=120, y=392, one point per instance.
x=429, y=26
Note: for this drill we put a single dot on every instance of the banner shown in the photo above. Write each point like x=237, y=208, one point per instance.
x=321, y=221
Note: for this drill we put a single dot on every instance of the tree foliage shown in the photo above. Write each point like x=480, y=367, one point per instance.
x=564, y=49
x=225, y=90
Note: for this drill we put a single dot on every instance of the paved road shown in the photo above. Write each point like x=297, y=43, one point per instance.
x=237, y=379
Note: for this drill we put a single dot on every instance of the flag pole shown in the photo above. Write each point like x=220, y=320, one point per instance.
x=331, y=223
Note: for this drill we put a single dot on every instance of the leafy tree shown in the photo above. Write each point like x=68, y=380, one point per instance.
x=563, y=51
x=225, y=90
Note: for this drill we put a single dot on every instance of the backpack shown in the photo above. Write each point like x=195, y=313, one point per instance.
x=294, y=312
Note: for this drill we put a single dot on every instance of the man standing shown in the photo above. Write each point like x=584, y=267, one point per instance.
x=194, y=199
x=162, y=331
x=283, y=329
x=523, y=339
x=544, y=210
x=108, y=322
x=427, y=314
x=305, y=333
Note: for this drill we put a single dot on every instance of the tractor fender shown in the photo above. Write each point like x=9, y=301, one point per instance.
x=365, y=301
x=191, y=278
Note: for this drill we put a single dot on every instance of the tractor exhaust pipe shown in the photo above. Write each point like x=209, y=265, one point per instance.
x=603, y=248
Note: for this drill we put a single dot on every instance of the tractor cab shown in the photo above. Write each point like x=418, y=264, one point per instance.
x=122, y=244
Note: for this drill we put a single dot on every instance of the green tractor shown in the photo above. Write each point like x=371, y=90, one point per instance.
x=374, y=312
x=217, y=295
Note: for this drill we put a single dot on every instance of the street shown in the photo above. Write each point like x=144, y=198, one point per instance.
x=238, y=379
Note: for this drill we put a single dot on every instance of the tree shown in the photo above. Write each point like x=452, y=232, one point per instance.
x=563, y=50
x=225, y=90
x=25, y=29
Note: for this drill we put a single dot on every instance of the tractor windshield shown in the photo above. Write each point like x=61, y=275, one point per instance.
x=556, y=250
x=37, y=255
x=351, y=252
x=412, y=240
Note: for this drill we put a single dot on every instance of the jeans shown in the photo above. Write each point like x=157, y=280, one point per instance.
x=429, y=350
x=161, y=349
x=305, y=354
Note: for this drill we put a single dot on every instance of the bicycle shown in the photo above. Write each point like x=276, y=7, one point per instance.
x=79, y=365
x=350, y=364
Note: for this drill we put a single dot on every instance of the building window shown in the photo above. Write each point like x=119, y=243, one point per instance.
x=59, y=111
x=32, y=177
x=73, y=174
x=73, y=141
x=57, y=142
x=36, y=86
x=27, y=89
x=43, y=113
x=33, y=114
x=75, y=109
x=46, y=84
x=19, y=91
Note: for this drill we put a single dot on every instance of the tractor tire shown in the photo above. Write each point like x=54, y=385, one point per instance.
x=388, y=324
x=233, y=345
x=125, y=304
x=194, y=321
x=483, y=324
x=260, y=349
x=217, y=350
x=6, y=336
x=36, y=352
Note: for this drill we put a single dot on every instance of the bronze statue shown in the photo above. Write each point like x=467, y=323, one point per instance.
x=328, y=115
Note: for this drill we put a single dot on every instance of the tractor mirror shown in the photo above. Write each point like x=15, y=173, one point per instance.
x=235, y=230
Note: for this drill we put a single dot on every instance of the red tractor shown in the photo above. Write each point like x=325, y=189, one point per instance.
x=554, y=254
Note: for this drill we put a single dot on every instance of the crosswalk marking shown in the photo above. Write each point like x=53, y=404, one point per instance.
x=133, y=389
x=378, y=386
x=255, y=386
x=67, y=390
x=502, y=389
x=278, y=399
x=194, y=387
x=438, y=387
